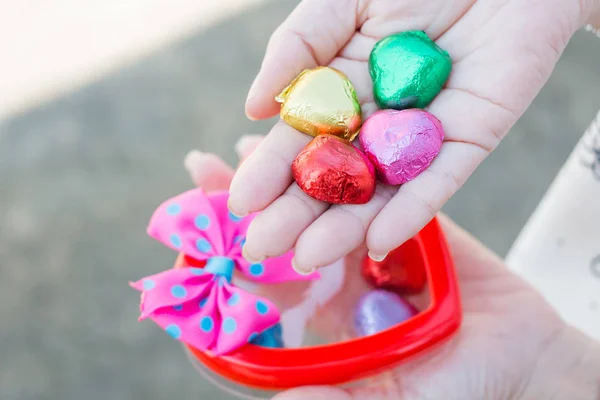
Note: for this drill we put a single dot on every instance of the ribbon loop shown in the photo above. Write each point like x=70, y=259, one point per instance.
x=200, y=306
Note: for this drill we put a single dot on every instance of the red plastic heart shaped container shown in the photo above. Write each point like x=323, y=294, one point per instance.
x=255, y=372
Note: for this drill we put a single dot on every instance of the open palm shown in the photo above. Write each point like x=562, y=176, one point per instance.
x=506, y=349
x=511, y=345
x=503, y=52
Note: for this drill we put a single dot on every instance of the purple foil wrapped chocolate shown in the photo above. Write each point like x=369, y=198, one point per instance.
x=379, y=310
x=401, y=144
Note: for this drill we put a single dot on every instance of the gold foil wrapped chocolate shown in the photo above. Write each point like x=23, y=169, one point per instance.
x=322, y=101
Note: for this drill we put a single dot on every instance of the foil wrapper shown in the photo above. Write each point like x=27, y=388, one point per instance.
x=379, y=310
x=401, y=144
x=332, y=170
x=408, y=70
x=397, y=272
x=322, y=101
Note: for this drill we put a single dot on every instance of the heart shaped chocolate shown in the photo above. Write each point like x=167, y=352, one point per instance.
x=399, y=271
x=332, y=170
x=408, y=70
x=401, y=144
x=321, y=101
x=379, y=310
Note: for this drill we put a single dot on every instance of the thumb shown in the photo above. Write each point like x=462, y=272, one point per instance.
x=472, y=259
x=311, y=36
x=208, y=171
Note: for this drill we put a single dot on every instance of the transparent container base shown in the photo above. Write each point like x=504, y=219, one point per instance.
x=225, y=385
x=345, y=331
x=248, y=393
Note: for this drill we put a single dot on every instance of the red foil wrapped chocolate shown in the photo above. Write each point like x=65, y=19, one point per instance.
x=332, y=170
x=397, y=272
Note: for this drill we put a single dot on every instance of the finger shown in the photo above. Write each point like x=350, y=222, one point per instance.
x=266, y=175
x=314, y=393
x=246, y=145
x=275, y=230
x=476, y=113
x=340, y=230
x=208, y=171
x=473, y=128
x=312, y=35
x=417, y=201
x=482, y=274
x=472, y=258
x=267, y=172
x=333, y=321
x=316, y=248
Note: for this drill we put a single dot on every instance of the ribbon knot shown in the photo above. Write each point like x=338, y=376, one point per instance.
x=221, y=267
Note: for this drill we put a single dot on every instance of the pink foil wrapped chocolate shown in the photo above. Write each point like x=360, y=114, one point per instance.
x=401, y=144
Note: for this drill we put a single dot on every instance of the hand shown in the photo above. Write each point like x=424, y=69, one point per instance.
x=512, y=344
x=503, y=53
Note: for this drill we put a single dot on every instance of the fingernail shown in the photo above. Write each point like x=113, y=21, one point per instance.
x=377, y=257
x=250, y=117
x=192, y=160
x=249, y=101
x=192, y=157
x=301, y=271
x=235, y=212
x=194, y=164
x=250, y=258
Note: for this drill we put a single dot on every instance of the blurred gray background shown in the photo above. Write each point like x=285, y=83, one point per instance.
x=81, y=174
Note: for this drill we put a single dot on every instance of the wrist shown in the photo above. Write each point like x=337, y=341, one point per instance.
x=569, y=369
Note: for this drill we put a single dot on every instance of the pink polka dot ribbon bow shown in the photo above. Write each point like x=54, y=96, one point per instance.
x=200, y=306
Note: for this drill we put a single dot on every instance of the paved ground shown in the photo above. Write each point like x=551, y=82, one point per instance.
x=79, y=178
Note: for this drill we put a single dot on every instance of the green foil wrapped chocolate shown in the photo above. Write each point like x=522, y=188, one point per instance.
x=408, y=70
